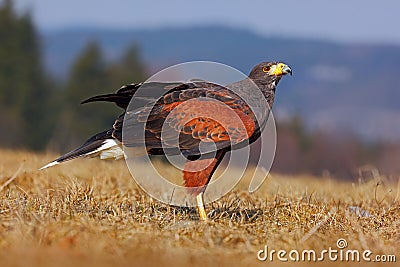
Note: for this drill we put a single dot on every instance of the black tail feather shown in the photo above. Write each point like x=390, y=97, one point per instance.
x=89, y=147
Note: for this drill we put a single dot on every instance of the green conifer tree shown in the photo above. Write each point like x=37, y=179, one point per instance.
x=24, y=90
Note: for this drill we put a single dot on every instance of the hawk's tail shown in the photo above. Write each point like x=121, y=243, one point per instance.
x=102, y=144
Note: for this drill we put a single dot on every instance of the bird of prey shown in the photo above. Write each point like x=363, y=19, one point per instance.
x=182, y=109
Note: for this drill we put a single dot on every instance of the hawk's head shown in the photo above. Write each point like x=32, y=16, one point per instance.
x=270, y=71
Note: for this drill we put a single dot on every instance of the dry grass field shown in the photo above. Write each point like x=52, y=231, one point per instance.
x=91, y=213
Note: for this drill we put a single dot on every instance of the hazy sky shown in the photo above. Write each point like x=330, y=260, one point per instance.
x=351, y=20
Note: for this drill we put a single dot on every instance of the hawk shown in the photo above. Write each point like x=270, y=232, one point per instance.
x=187, y=110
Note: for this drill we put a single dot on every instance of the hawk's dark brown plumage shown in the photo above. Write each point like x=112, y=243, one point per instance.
x=196, y=111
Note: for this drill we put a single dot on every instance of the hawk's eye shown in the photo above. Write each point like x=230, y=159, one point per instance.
x=266, y=68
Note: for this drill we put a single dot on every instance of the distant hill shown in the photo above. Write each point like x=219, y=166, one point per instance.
x=346, y=87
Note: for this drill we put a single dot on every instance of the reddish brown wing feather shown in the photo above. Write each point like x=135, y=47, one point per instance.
x=194, y=112
x=210, y=120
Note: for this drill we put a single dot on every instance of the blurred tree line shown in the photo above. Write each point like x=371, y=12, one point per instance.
x=38, y=112
x=334, y=153
x=24, y=87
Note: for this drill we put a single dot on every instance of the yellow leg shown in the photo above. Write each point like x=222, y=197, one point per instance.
x=200, y=207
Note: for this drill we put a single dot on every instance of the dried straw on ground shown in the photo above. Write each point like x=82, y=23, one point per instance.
x=91, y=213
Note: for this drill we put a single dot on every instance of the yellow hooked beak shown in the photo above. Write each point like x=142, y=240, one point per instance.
x=280, y=69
